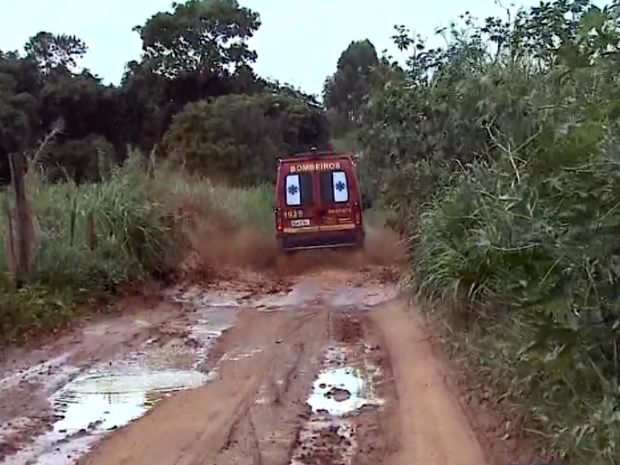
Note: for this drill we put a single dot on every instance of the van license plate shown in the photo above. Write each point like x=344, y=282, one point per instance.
x=298, y=223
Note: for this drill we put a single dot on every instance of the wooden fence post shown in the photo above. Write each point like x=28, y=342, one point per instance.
x=25, y=228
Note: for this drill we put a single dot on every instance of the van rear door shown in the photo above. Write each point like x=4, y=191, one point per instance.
x=299, y=202
x=337, y=191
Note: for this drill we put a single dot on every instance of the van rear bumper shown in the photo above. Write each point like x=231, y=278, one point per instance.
x=322, y=240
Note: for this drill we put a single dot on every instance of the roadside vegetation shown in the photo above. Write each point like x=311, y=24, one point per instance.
x=499, y=160
x=118, y=178
x=495, y=156
x=92, y=239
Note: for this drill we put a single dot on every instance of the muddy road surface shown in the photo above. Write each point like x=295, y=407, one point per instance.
x=329, y=368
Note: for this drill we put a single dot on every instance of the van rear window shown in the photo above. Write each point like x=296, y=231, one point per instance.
x=298, y=189
x=334, y=187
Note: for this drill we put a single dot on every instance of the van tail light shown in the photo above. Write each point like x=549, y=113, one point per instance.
x=279, y=225
x=357, y=214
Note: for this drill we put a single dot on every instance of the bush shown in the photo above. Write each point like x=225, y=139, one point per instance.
x=238, y=138
x=534, y=264
x=505, y=148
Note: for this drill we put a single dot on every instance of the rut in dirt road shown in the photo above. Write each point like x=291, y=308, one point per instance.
x=316, y=385
x=256, y=410
x=333, y=371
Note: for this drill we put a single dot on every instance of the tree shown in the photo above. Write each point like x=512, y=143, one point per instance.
x=198, y=51
x=344, y=91
x=39, y=89
x=240, y=137
x=53, y=51
x=80, y=159
x=199, y=36
x=20, y=83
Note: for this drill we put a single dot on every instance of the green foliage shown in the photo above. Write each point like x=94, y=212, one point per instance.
x=240, y=137
x=223, y=206
x=27, y=311
x=34, y=99
x=344, y=91
x=93, y=238
x=51, y=51
x=204, y=36
x=90, y=239
x=80, y=160
x=197, y=51
x=348, y=142
x=247, y=207
x=497, y=155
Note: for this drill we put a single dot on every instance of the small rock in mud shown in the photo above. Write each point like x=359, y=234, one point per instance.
x=339, y=395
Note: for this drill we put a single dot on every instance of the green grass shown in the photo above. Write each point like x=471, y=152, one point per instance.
x=230, y=207
x=90, y=239
x=136, y=221
x=377, y=216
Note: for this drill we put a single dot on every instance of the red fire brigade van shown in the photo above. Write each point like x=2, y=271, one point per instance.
x=318, y=203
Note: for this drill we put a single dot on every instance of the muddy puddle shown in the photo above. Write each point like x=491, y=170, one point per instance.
x=87, y=403
x=337, y=392
x=104, y=398
x=97, y=402
x=108, y=400
x=308, y=293
x=347, y=383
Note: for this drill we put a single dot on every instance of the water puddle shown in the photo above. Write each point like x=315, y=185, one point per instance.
x=217, y=312
x=307, y=294
x=337, y=392
x=301, y=294
x=88, y=404
x=97, y=402
x=363, y=297
x=347, y=383
x=201, y=298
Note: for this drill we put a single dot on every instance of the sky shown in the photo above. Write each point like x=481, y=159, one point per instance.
x=299, y=41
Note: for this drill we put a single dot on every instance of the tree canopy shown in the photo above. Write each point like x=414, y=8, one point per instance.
x=197, y=52
x=199, y=36
x=240, y=137
x=345, y=90
x=52, y=51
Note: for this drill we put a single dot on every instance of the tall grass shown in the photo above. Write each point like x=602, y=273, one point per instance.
x=530, y=267
x=224, y=207
x=92, y=238
x=89, y=238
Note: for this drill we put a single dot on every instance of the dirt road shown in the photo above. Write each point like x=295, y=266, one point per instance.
x=330, y=368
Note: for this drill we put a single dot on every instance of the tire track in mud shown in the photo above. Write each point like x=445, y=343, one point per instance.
x=232, y=426
x=350, y=401
x=302, y=376
x=256, y=409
